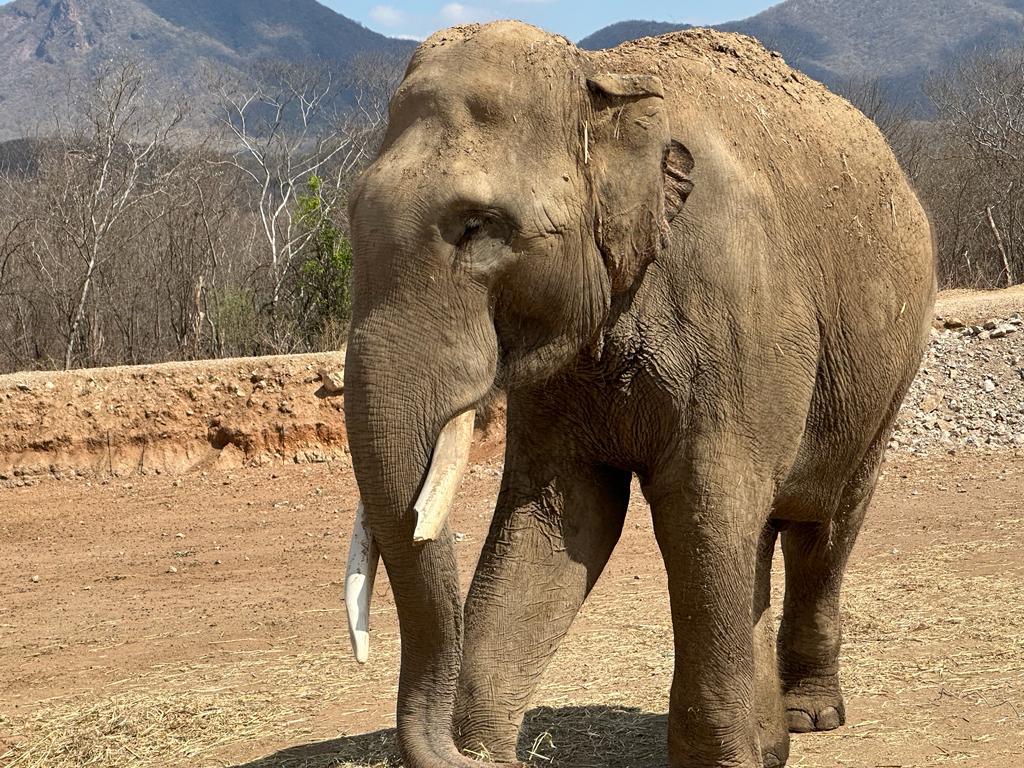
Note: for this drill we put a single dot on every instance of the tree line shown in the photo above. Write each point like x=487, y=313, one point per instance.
x=966, y=162
x=132, y=233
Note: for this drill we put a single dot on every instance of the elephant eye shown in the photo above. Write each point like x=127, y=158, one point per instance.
x=474, y=225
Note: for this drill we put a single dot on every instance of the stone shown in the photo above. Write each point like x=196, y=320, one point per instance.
x=333, y=383
x=931, y=402
x=230, y=457
x=989, y=385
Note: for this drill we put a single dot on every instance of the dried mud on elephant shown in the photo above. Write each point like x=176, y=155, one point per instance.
x=684, y=262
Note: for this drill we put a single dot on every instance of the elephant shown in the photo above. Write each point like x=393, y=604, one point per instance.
x=682, y=262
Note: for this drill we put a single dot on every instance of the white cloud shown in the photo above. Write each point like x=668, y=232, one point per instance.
x=457, y=13
x=387, y=16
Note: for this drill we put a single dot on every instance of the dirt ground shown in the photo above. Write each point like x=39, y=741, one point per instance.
x=974, y=306
x=186, y=609
x=196, y=621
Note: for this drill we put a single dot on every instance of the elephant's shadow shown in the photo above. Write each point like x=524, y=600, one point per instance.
x=566, y=737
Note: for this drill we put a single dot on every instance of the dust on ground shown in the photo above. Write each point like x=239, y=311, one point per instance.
x=198, y=622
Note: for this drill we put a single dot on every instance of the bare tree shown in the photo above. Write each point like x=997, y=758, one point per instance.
x=128, y=237
x=106, y=160
x=12, y=243
x=973, y=185
x=284, y=130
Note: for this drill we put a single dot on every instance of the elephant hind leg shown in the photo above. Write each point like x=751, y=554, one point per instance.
x=770, y=709
x=810, y=637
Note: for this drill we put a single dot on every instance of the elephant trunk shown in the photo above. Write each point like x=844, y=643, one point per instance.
x=410, y=423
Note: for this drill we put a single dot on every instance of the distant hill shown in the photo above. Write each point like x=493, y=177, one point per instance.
x=898, y=42
x=615, y=34
x=44, y=42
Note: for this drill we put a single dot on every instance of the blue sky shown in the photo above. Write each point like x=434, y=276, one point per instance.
x=572, y=18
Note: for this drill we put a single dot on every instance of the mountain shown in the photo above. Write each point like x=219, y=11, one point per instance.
x=620, y=32
x=899, y=42
x=46, y=42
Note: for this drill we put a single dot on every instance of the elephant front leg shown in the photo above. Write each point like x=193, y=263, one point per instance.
x=553, y=531
x=708, y=528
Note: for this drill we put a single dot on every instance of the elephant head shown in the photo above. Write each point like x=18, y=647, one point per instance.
x=520, y=189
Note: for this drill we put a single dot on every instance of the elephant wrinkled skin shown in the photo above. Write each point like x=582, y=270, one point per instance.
x=681, y=260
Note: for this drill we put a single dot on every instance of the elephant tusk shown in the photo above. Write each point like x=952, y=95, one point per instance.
x=447, y=466
x=363, y=557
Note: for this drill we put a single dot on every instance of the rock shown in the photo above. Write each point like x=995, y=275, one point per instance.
x=333, y=383
x=989, y=385
x=931, y=402
x=952, y=322
x=1003, y=331
x=230, y=457
x=172, y=569
x=311, y=456
x=34, y=579
x=990, y=325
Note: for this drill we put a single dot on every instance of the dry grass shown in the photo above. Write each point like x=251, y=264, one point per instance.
x=142, y=728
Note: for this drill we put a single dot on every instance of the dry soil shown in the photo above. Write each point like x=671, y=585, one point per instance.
x=196, y=620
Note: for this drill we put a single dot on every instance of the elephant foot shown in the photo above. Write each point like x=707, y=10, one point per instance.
x=774, y=749
x=815, y=704
x=496, y=746
x=478, y=751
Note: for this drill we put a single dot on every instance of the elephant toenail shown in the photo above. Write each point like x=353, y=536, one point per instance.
x=829, y=719
x=799, y=721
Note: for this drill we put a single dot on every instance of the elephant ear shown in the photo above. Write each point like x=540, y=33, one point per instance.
x=640, y=176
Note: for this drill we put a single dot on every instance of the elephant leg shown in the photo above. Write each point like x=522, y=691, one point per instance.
x=811, y=633
x=772, y=726
x=553, y=531
x=708, y=529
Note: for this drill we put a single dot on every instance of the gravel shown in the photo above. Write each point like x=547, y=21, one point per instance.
x=969, y=392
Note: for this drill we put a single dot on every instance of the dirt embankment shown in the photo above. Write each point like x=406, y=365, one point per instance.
x=170, y=418
x=182, y=417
